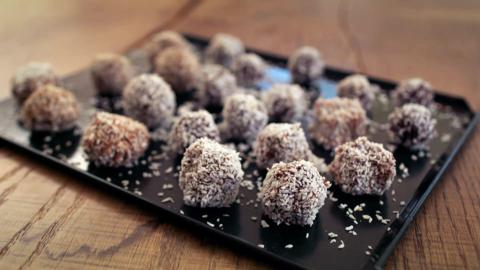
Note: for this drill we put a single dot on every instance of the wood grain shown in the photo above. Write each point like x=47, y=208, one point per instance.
x=51, y=220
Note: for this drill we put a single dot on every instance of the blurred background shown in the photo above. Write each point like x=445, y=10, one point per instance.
x=438, y=40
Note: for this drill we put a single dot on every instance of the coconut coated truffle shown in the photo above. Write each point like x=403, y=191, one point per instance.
x=292, y=193
x=249, y=69
x=306, y=65
x=357, y=87
x=150, y=100
x=280, y=142
x=114, y=140
x=30, y=77
x=179, y=68
x=285, y=103
x=190, y=127
x=164, y=40
x=244, y=116
x=110, y=73
x=216, y=84
x=363, y=167
x=210, y=174
x=412, y=126
x=337, y=121
x=50, y=108
x=223, y=49
x=414, y=90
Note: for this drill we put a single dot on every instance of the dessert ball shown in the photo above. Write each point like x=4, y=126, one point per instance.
x=280, y=142
x=249, y=69
x=191, y=126
x=414, y=91
x=114, y=140
x=210, y=174
x=411, y=125
x=216, y=84
x=50, y=108
x=110, y=73
x=244, y=116
x=306, y=65
x=363, y=167
x=29, y=78
x=223, y=49
x=337, y=121
x=292, y=193
x=285, y=103
x=357, y=87
x=164, y=40
x=150, y=100
x=179, y=68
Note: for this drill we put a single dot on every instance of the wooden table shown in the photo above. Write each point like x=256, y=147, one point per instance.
x=50, y=220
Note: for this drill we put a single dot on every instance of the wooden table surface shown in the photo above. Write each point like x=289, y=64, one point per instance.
x=51, y=220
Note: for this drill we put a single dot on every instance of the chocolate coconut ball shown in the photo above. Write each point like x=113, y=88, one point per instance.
x=414, y=91
x=210, y=174
x=216, y=84
x=292, y=193
x=337, y=121
x=190, y=127
x=29, y=78
x=249, y=69
x=110, y=73
x=357, y=87
x=363, y=167
x=412, y=126
x=306, y=65
x=223, y=49
x=150, y=100
x=50, y=108
x=114, y=140
x=164, y=40
x=179, y=68
x=286, y=103
x=244, y=116
x=280, y=142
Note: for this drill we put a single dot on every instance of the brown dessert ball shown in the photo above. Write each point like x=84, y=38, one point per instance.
x=179, y=68
x=216, y=84
x=191, y=126
x=306, y=65
x=50, y=108
x=280, y=142
x=223, y=49
x=357, y=87
x=30, y=77
x=414, y=90
x=114, y=140
x=244, y=116
x=292, y=193
x=164, y=40
x=110, y=73
x=210, y=174
x=249, y=69
x=150, y=100
x=286, y=103
x=337, y=121
x=412, y=126
x=363, y=167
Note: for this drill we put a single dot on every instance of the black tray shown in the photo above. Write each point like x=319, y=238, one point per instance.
x=368, y=249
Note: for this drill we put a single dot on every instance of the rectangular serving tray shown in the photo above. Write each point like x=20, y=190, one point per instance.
x=154, y=180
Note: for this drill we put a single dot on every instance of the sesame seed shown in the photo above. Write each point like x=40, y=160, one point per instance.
x=168, y=199
x=349, y=228
x=261, y=246
x=264, y=224
x=307, y=235
x=210, y=224
x=342, y=245
x=289, y=246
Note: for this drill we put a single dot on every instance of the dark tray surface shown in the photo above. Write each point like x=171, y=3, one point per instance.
x=400, y=203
